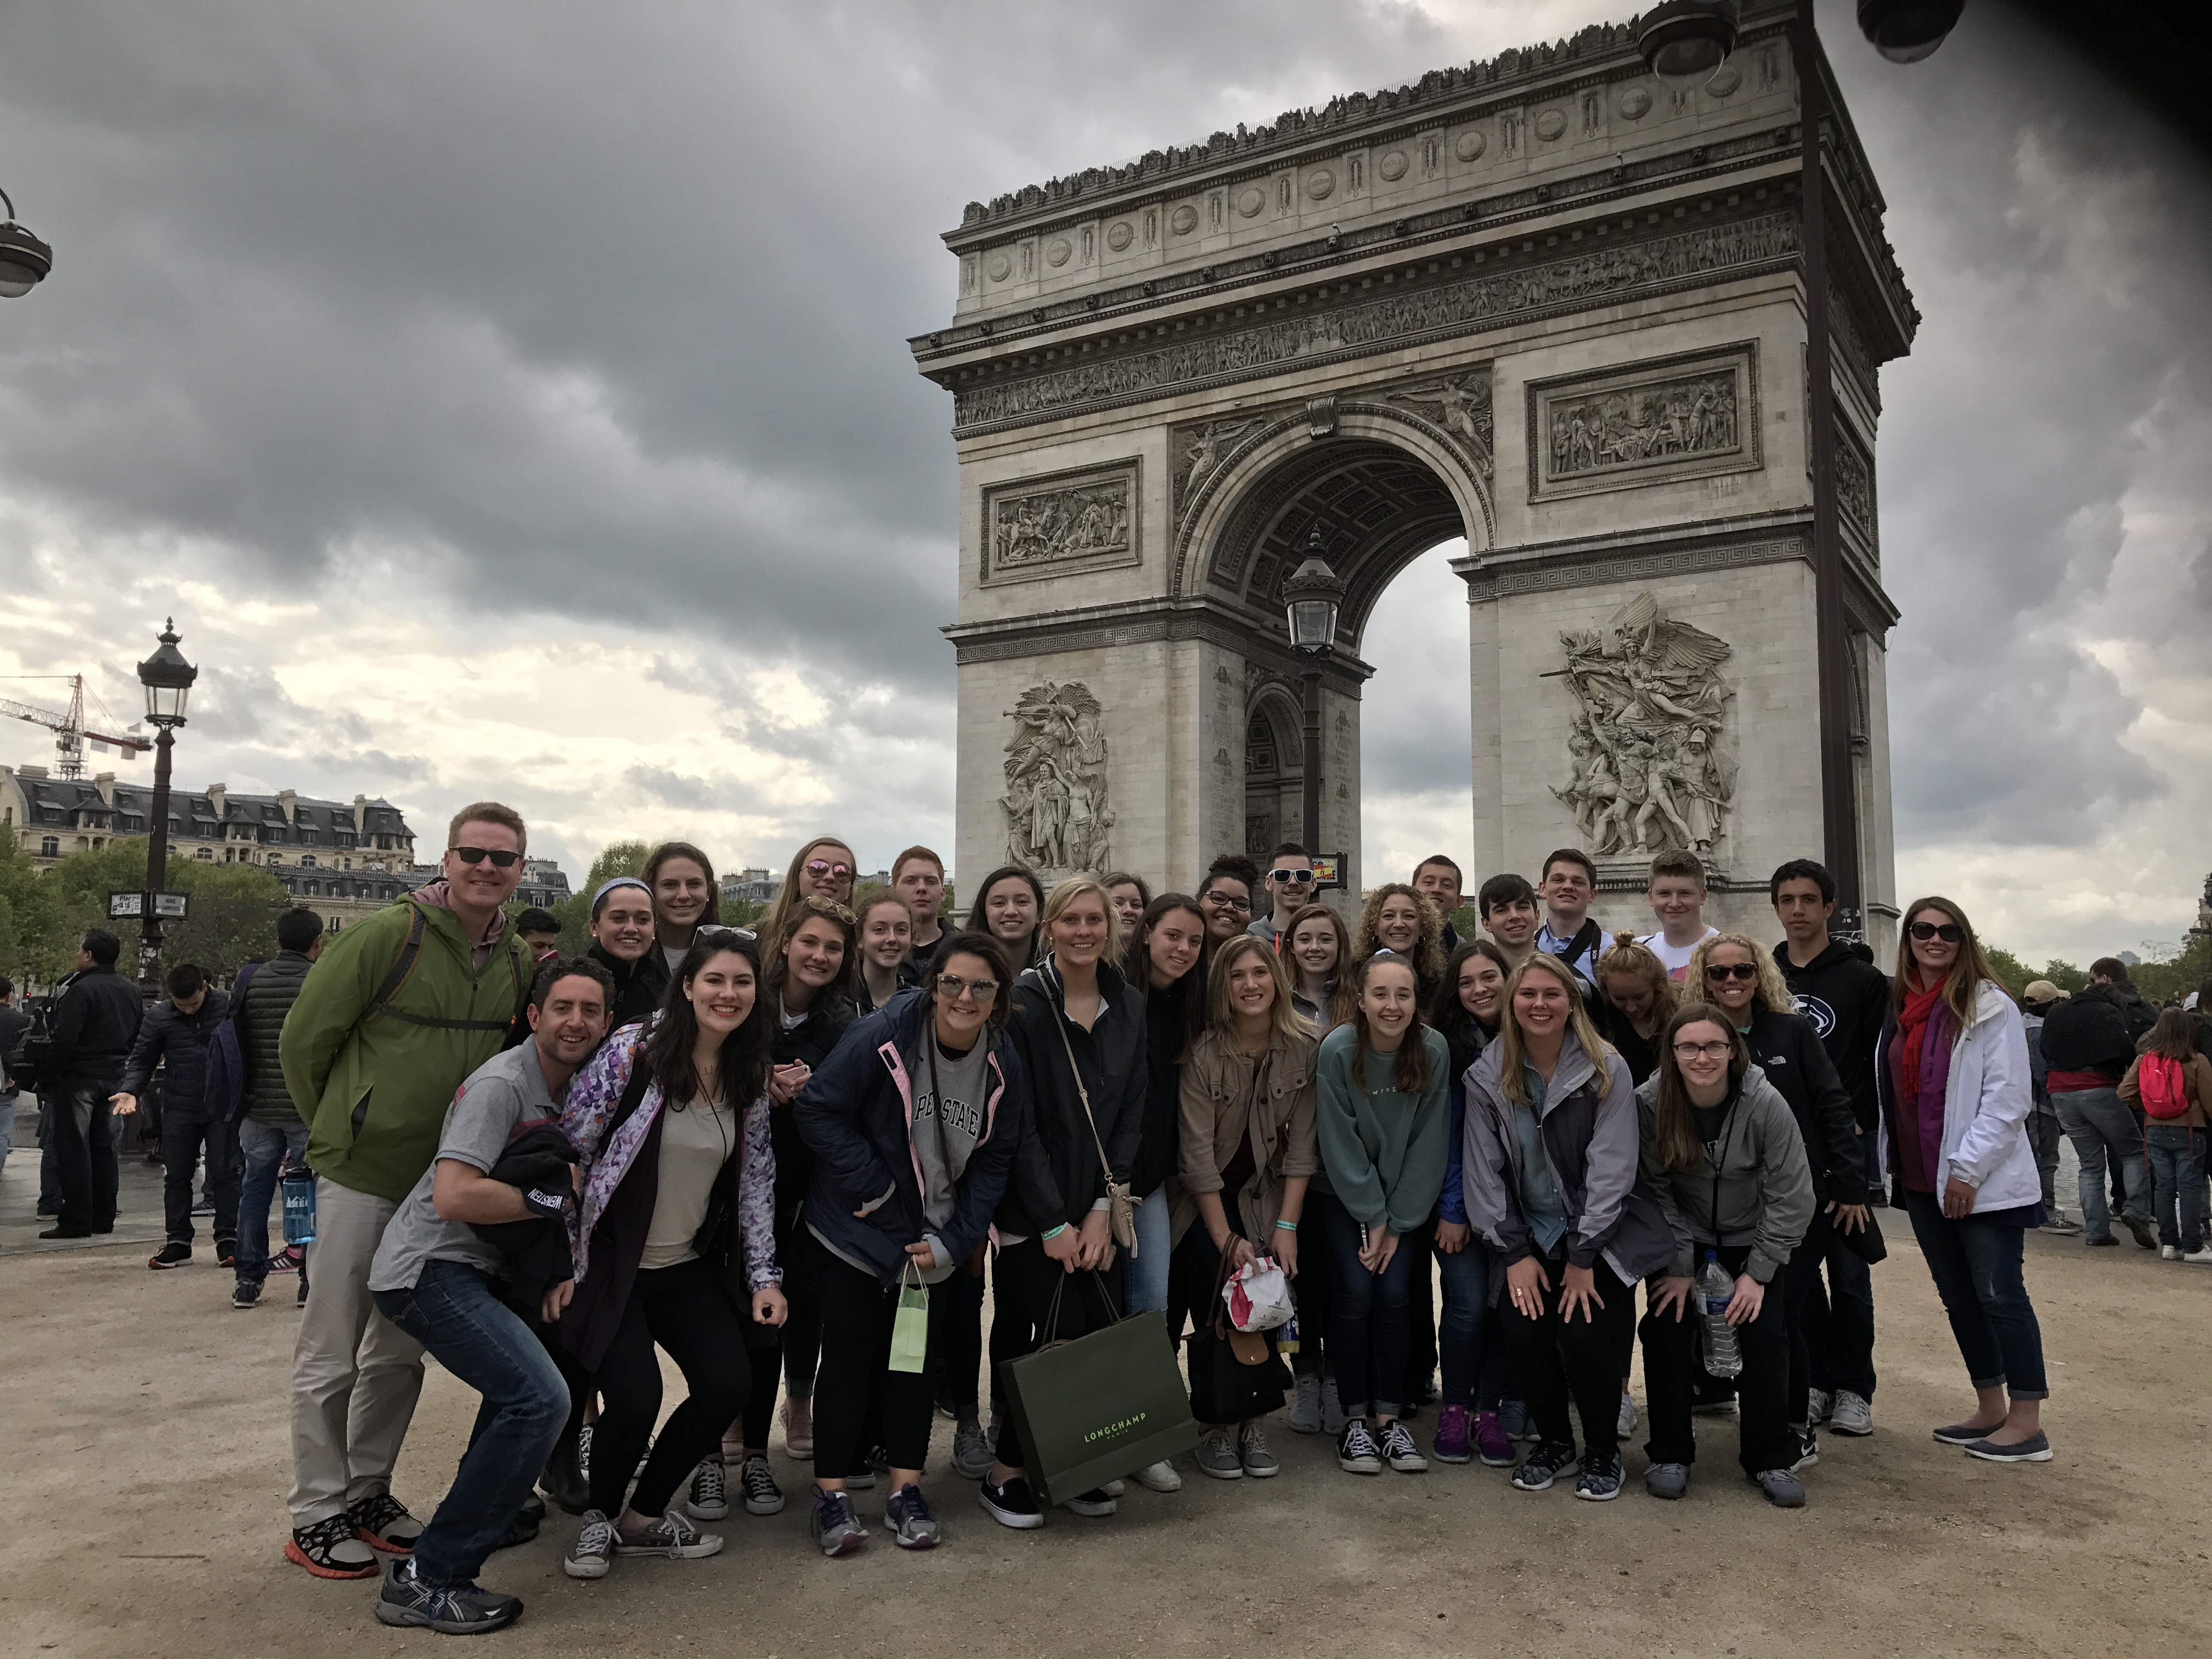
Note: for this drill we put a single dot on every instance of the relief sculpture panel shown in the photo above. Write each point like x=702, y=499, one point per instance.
x=1649, y=766
x=1058, y=821
x=1647, y=423
x=1059, y=525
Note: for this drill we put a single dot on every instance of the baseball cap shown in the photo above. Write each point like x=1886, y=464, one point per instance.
x=2041, y=990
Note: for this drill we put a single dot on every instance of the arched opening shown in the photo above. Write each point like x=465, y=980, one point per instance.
x=1373, y=496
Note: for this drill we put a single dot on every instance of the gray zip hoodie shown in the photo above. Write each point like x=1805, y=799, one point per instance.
x=1766, y=1184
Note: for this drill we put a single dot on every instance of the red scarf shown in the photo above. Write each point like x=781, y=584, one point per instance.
x=1911, y=1032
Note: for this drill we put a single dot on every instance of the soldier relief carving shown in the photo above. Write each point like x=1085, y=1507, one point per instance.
x=1061, y=524
x=1649, y=767
x=1695, y=415
x=1058, y=821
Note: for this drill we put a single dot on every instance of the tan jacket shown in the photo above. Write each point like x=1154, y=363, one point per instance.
x=2196, y=1088
x=1220, y=1099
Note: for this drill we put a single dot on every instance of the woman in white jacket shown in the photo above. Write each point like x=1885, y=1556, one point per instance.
x=1951, y=1073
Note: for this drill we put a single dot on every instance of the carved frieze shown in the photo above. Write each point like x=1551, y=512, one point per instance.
x=1387, y=323
x=1855, y=481
x=1649, y=767
x=1060, y=525
x=1199, y=453
x=1644, y=424
x=1058, y=821
x=1461, y=406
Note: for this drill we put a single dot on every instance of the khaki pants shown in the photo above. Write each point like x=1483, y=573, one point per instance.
x=355, y=1375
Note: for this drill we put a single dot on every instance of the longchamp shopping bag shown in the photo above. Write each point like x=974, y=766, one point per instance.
x=1099, y=1406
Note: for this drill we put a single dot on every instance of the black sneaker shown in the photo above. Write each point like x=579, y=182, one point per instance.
x=465, y=1610
x=246, y=1295
x=1011, y=1506
x=1600, y=1478
x=762, y=1495
x=520, y=1530
x=673, y=1537
x=708, y=1498
x=1545, y=1462
x=384, y=1523
x=1356, y=1450
x=171, y=1255
x=63, y=1229
x=562, y=1479
x=1094, y=1503
x=1808, y=1447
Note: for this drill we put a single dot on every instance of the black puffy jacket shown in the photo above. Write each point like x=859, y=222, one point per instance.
x=269, y=997
x=177, y=1042
x=1167, y=1010
x=2088, y=1032
x=811, y=1042
x=639, y=985
x=1057, y=1176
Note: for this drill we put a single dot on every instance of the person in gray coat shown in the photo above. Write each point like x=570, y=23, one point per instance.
x=1722, y=1153
x=1550, y=1177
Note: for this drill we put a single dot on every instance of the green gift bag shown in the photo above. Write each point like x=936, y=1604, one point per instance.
x=910, y=1324
x=1100, y=1406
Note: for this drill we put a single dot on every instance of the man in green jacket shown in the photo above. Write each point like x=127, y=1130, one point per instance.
x=399, y=1011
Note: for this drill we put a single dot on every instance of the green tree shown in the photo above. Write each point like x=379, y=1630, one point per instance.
x=231, y=908
x=2011, y=970
x=2177, y=975
x=2064, y=975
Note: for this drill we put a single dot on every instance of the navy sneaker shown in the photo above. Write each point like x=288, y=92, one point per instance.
x=832, y=1525
x=907, y=1519
x=464, y=1610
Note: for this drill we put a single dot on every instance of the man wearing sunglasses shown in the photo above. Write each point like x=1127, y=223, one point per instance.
x=398, y=1011
x=1290, y=885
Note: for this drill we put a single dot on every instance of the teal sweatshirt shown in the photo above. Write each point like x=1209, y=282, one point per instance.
x=1383, y=1152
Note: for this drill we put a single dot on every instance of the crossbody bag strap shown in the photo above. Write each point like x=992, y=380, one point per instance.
x=1082, y=1093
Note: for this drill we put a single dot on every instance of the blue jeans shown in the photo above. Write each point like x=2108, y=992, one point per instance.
x=460, y=1316
x=1371, y=1324
x=1975, y=1266
x=2176, y=1168
x=1467, y=1341
x=263, y=1148
x=2097, y=1122
x=1146, y=1282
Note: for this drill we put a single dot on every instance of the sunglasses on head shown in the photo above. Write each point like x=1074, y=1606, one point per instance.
x=1291, y=877
x=1947, y=931
x=1731, y=970
x=503, y=860
x=819, y=867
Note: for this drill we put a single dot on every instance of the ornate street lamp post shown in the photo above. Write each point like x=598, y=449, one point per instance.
x=168, y=679
x=1312, y=596
x=1684, y=42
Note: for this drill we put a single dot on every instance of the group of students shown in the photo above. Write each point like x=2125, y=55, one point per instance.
x=748, y=1149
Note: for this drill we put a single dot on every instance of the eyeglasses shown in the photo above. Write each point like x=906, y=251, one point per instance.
x=1945, y=930
x=505, y=860
x=1720, y=970
x=951, y=987
x=1703, y=1050
x=1291, y=877
x=823, y=867
x=1226, y=902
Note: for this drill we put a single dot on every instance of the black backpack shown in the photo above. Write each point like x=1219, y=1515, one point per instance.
x=26, y=1062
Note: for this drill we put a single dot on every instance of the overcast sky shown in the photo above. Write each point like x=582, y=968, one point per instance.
x=512, y=400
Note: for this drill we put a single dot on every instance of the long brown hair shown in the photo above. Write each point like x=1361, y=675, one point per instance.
x=1514, y=1053
x=1342, y=994
x=1410, y=1076
x=787, y=896
x=837, y=999
x=1670, y=1116
x=1962, y=986
x=1427, y=957
x=668, y=1041
x=2174, y=1036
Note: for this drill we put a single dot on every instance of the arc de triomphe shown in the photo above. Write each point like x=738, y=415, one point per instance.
x=1541, y=302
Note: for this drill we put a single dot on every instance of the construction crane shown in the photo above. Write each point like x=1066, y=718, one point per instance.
x=69, y=730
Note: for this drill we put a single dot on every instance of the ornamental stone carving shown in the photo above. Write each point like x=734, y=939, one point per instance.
x=1649, y=768
x=1381, y=324
x=1470, y=145
x=1461, y=406
x=1059, y=525
x=1319, y=183
x=1200, y=452
x=1551, y=124
x=1120, y=235
x=1392, y=167
x=1635, y=104
x=1672, y=417
x=1058, y=821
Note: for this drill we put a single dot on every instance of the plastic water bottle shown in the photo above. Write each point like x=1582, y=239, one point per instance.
x=1716, y=1290
x=300, y=1207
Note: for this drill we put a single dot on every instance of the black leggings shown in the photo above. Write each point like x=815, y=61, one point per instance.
x=959, y=1376
x=1555, y=1359
x=1023, y=1279
x=688, y=1313
x=859, y=1390
x=794, y=1351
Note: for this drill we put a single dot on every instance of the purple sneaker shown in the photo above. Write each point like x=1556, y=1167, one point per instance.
x=1491, y=1443
x=1455, y=1442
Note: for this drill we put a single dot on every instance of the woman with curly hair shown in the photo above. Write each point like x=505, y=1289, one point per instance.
x=1731, y=971
x=1397, y=918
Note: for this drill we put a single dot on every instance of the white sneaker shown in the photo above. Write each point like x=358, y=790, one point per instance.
x=1159, y=1477
x=1305, y=1408
x=2169, y=1253
x=1625, y=1424
x=2202, y=1258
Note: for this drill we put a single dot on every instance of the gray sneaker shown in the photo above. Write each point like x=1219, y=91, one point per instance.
x=1666, y=1480
x=1217, y=1454
x=832, y=1525
x=1625, y=1424
x=1513, y=1418
x=464, y=1610
x=1252, y=1449
x=1332, y=1407
x=1306, y=1406
x=907, y=1519
x=595, y=1550
x=1851, y=1414
x=1783, y=1489
x=2059, y=1223
x=673, y=1538
x=1817, y=1404
x=971, y=1451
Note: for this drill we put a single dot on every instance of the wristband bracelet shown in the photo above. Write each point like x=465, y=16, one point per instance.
x=1285, y=1226
x=1047, y=1238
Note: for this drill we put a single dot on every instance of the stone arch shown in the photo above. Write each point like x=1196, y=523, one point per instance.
x=1384, y=483
x=1274, y=766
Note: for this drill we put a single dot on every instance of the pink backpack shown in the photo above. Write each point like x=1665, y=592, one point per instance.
x=2158, y=1082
